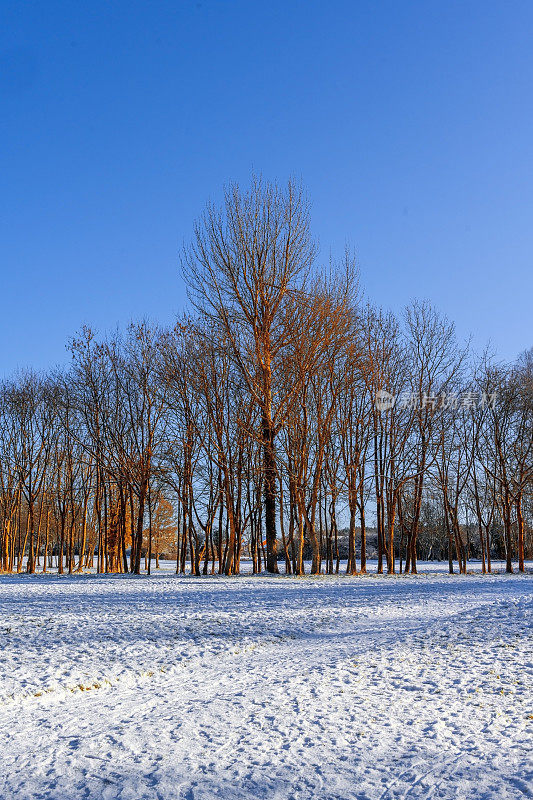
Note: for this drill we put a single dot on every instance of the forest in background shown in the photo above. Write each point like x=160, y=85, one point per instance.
x=273, y=421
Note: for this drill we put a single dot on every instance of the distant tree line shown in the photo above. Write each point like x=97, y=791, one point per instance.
x=281, y=409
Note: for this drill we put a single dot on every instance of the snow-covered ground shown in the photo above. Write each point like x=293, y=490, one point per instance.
x=266, y=687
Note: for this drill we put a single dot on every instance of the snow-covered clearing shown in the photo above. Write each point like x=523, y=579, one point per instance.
x=266, y=687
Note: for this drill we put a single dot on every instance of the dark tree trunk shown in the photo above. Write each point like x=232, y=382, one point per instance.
x=270, y=490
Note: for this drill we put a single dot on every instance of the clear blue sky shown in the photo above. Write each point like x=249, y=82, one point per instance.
x=410, y=123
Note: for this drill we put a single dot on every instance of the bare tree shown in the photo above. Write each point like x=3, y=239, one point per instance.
x=243, y=269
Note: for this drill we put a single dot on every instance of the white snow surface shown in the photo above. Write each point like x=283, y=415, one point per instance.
x=378, y=687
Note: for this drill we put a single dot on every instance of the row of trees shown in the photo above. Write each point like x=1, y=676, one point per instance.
x=279, y=411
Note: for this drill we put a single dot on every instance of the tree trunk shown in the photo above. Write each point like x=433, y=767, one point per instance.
x=270, y=490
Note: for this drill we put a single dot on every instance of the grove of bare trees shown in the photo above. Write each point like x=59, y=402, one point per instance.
x=283, y=420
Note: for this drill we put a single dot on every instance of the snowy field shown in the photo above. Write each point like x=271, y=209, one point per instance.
x=266, y=687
